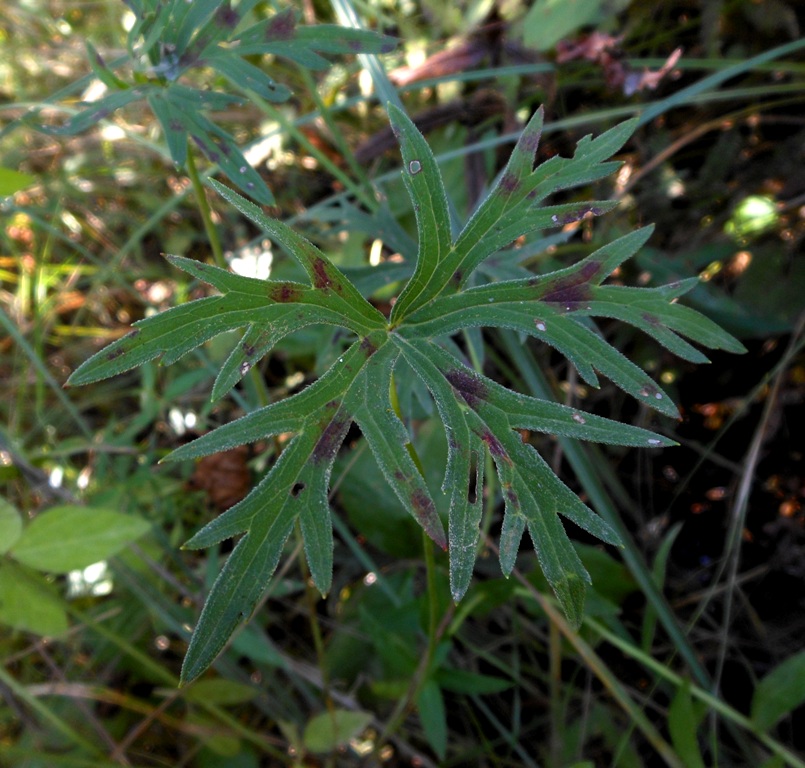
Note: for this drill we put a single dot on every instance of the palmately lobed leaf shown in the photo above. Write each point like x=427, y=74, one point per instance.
x=481, y=416
x=169, y=39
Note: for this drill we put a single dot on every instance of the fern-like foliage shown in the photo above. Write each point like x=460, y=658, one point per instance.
x=479, y=414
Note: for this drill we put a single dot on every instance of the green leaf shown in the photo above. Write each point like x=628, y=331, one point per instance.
x=781, y=691
x=433, y=717
x=464, y=515
x=225, y=693
x=548, y=21
x=470, y=683
x=393, y=370
x=424, y=184
x=97, y=111
x=246, y=76
x=329, y=730
x=683, y=723
x=13, y=181
x=28, y=602
x=169, y=39
x=10, y=525
x=102, y=72
x=69, y=537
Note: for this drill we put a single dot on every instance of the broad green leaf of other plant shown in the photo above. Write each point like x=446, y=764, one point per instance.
x=480, y=415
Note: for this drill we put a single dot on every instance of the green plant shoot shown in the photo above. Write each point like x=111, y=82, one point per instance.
x=480, y=416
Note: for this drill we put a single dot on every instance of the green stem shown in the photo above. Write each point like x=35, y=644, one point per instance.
x=47, y=715
x=204, y=210
x=335, y=132
x=717, y=705
x=599, y=668
x=151, y=668
x=433, y=602
x=423, y=670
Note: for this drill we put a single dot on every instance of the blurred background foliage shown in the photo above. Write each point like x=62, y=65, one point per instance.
x=91, y=650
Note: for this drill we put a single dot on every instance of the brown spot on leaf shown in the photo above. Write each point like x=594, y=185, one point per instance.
x=113, y=354
x=511, y=496
x=576, y=215
x=330, y=441
x=321, y=279
x=424, y=511
x=284, y=293
x=368, y=347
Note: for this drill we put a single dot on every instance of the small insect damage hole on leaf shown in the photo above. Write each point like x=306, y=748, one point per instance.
x=474, y=489
x=297, y=489
x=414, y=167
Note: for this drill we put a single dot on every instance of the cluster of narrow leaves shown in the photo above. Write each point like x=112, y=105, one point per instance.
x=172, y=37
x=479, y=414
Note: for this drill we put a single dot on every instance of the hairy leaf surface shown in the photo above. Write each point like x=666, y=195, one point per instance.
x=481, y=416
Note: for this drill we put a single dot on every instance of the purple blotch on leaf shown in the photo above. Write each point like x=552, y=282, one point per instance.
x=651, y=319
x=226, y=16
x=330, y=441
x=368, y=347
x=571, y=290
x=495, y=448
x=321, y=279
x=471, y=388
x=424, y=511
x=284, y=293
x=509, y=183
x=281, y=26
